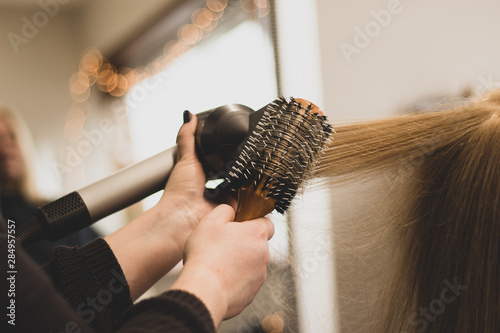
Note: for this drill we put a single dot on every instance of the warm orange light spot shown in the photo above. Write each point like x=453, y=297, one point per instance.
x=91, y=61
x=248, y=5
x=121, y=86
x=273, y=323
x=261, y=3
x=75, y=114
x=189, y=34
x=216, y=5
x=78, y=94
x=84, y=107
x=202, y=18
x=73, y=129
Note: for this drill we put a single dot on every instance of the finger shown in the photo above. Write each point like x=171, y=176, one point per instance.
x=266, y=224
x=270, y=227
x=186, y=138
x=221, y=213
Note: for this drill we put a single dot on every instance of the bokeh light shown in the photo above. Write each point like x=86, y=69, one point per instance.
x=73, y=130
x=90, y=62
x=189, y=34
x=248, y=5
x=121, y=86
x=76, y=114
x=95, y=69
x=202, y=18
x=216, y=5
x=273, y=323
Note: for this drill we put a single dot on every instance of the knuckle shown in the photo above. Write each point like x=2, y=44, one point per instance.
x=263, y=230
x=256, y=230
x=267, y=257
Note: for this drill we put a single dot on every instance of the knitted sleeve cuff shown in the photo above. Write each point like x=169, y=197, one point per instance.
x=92, y=281
x=177, y=310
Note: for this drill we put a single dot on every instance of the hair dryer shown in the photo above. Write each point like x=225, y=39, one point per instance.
x=220, y=134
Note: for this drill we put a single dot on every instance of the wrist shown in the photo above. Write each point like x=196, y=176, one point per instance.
x=149, y=246
x=176, y=219
x=207, y=287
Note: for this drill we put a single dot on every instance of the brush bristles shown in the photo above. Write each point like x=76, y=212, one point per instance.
x=281, y=151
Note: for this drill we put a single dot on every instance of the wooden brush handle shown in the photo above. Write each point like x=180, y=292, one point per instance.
x=252, y=206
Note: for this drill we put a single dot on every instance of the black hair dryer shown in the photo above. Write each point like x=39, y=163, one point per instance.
x=219, y=135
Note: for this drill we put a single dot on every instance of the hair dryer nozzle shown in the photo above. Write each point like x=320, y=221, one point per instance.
x=220, y=132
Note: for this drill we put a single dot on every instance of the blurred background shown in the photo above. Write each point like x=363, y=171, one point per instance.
x=103, y=83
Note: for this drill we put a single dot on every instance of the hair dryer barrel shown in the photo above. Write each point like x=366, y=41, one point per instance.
x=129, y=185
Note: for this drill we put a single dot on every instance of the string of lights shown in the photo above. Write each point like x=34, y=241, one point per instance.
x=96, y=70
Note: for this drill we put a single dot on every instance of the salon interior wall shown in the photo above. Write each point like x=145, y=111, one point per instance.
x=35, y=74
x=422, y=48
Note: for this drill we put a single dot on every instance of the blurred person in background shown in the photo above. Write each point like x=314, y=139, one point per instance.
x=19, y=196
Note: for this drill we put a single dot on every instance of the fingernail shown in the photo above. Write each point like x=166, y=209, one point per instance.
x=187, y=116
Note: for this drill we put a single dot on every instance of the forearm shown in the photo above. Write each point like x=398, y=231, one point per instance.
x=152, y=244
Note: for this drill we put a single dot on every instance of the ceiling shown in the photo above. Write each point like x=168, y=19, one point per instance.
x=32, y=4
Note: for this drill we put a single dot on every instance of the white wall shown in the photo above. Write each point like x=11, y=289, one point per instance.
x=428, y=47
x=35, y=79
x=109, y=23
x=34, y=76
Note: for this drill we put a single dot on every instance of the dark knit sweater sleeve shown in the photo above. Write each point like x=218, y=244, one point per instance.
x=92, y=281
x=173, y=311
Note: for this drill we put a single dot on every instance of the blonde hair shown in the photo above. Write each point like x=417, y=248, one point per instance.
x=441, y=241
x=27, y=147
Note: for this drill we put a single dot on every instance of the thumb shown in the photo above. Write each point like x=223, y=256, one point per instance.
x=186, y=136
x=220, y=214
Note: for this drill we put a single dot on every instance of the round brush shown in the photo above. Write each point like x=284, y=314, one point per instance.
x=277, y=157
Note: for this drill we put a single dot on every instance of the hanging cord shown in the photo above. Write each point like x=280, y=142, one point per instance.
x=275, y=40
x=31, y=232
